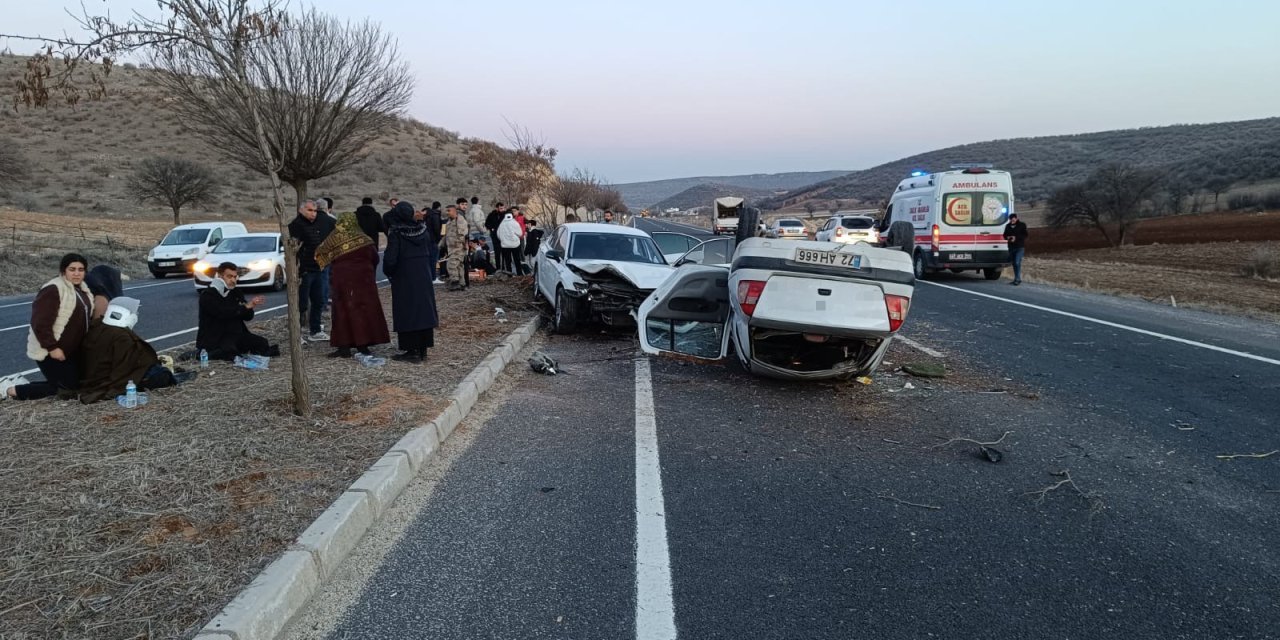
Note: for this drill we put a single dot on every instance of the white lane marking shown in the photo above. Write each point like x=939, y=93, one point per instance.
x=919, y=347
x=655, y=606
x=21, y=326
x=15, y=304
x=1114, y=325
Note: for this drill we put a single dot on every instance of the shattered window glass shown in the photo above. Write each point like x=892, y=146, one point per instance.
x=690, y=337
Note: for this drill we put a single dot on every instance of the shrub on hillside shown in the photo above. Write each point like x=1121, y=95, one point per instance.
x=1242, y=202
x=1271, y=200
x=1262, y=264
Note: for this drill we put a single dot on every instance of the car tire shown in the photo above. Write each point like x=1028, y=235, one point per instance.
x=537, y=293
x=565, y=313
x=277, y=280
x=921, y=270
x=748, y=222
x=992, y=273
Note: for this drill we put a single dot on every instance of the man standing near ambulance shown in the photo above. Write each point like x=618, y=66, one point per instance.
x=1015, y=233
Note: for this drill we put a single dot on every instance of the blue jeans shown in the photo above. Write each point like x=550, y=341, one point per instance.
x=311, y=300
x=324, y=286
x=1016, y=256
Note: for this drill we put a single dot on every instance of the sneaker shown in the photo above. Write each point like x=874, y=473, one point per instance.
x=9, y=382
x=437, y=281
x=320, y=336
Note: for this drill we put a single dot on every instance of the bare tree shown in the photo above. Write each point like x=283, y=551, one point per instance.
x=325, y=89
x=575, y=190
x=1113, y=194
x=523, y=171
x=1216, y=185
x=223, y=42
x=13, y=165
x=175, y=182
x=606, y=198
x=810, y=207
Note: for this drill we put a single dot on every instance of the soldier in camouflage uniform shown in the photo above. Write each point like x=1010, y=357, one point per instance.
x=455, y=240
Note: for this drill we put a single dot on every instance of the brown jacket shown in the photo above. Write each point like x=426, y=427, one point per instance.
x=109, y=358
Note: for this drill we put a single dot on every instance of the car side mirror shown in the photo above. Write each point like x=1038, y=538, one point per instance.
x=552, y=254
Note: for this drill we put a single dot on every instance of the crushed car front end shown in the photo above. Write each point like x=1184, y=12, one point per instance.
x=610, y=292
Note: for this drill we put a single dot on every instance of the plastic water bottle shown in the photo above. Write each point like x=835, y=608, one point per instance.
x=131, y=395
x=370, y=360
x=204, y=359
x=500, y=314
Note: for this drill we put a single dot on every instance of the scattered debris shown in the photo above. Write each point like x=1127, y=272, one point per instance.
x=1248, y=455
x=1182, y=426
x=543, y=363
x=909, y=504
x=1095, y=502
x=547, y=489
x=925, y=369
x=890, y=441
x=866, y=380
x=985, y=450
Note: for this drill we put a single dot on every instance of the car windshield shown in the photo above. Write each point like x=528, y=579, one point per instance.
x=185, y=236
x=857, y=223
x=614, y=246
x=790, y=223
x=249, y=244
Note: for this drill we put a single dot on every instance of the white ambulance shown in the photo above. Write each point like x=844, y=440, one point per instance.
x=958, y=217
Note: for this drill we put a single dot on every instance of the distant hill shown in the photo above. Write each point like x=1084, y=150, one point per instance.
x=1235, y=152
x=701, y=195
x=80, y=158
x=646, y=194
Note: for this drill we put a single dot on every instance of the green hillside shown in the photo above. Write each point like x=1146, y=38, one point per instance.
x=1197, y=155
x=638, y=195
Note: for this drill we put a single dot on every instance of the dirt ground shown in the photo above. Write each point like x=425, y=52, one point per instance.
x=144, y=523
x=1185, y=229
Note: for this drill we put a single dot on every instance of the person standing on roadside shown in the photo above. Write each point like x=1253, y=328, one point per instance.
x=1015, y=233
x=455, y=238
x=310, y=229
x=524, y=233
x=491, y=223
x=509, y=237
x=370, y=221
x=413, y=297
x=60, y=317
x=608, y=216
x=435, y=228
x=358, y=321
x=474, y=215
x=533, y=239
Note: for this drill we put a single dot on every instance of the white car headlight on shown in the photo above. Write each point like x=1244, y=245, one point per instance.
x=260, y=265
x=201, y=267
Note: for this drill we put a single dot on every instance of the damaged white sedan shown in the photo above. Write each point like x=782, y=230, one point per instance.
x=593, y=272
x=792, y=309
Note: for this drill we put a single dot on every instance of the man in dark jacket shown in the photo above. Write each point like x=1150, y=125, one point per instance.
x=1015, y=233
x=310, y=230
x=491, y=223
x=223, y=313
x=435, y=229
x=370, y=220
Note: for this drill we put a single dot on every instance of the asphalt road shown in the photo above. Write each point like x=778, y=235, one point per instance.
x=830, y=511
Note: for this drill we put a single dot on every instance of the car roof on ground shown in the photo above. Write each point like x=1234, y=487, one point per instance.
x=598, y=227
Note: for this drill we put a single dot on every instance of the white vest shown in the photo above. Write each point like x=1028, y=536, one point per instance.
x=66, y=309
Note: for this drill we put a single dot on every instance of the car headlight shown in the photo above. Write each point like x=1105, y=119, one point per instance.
x=151, y=254
x=201, y=267
x=190, y=252
x=260, y=265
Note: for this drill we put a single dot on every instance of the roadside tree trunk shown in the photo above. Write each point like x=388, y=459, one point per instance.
x=177, y=217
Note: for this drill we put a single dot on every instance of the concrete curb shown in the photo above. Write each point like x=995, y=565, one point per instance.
x=261, y=610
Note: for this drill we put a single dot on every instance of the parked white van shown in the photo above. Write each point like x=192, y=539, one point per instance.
x=185, y=244
x=958, y=218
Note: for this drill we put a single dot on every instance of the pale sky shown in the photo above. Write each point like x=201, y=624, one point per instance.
x=668, y=89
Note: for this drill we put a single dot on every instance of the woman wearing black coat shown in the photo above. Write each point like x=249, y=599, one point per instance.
x=407, y=263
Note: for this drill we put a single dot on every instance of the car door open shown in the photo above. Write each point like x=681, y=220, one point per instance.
x=687, y=314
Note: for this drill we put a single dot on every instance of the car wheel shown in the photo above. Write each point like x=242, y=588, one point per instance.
x=992, y=274
x=566, y=312
x=277, y=280
x=537, y=293
x=920, y=269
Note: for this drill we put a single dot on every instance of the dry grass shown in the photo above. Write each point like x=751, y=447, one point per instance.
x=81, y=157
x=144, y=523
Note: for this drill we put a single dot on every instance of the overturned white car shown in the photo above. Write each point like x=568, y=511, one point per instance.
x=793, y=309
x=594, y=272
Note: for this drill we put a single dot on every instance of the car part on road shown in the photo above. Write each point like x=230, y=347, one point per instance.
x=543, y=363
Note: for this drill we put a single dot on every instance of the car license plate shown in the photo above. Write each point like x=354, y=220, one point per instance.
x=829, y=258
x=962, y=256
x=166, y=264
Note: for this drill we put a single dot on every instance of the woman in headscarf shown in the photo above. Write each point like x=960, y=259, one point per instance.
x=59, y=320
x=413, y=298
x=358, y=321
